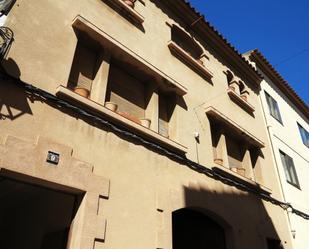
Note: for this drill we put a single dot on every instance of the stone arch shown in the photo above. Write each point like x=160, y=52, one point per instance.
x=193, y=228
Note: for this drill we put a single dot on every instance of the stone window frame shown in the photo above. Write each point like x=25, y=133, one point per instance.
x=221, y=154
x=96, y=101
x=70, y=175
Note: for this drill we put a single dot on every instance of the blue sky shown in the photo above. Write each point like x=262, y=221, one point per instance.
x=278, y=28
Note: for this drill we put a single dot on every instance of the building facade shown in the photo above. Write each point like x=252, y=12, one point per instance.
x=287, y=119
x=131, y=125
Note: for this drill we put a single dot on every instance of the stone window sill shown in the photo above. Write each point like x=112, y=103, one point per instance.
x=242, y=179
x=118, y=50
x=240, y=101
x=193, y=63
x=240, y=131
x=132, y=13
x=100, y=110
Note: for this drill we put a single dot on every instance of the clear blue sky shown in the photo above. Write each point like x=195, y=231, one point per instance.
x=278, y=28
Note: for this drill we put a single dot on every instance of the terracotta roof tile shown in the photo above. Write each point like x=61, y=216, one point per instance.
x=282, y=84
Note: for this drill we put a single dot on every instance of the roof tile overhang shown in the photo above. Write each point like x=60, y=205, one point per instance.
x=197, y=23
x=264, y=65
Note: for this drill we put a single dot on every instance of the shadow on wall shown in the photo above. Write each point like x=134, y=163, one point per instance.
x=14, y=101
x=219, y=220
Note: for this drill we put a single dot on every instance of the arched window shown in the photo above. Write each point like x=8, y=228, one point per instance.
x=192, y=229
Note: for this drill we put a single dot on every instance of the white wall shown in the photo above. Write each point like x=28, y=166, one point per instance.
x=286, y=137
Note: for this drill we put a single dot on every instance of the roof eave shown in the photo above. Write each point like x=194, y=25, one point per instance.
x=279, y=81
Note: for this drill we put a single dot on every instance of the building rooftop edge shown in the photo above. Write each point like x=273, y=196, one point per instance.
x=279, y=81
x=224, y=40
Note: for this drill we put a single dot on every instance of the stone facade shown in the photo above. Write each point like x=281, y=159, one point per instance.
x=201, y=97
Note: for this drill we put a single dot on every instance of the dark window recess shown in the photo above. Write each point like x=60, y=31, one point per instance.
x=304, y=135
x=192, y=229
x=235, y=152
x=166, y=107
x=274, y=244
x=273, y=107
x=84, y=68
x=127, y=91
x=187, y=43
x=289, y=169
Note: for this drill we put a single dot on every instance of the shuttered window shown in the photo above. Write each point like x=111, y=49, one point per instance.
x=83, y=68
x=289, y=169
x=235, y=152
x=127, y=92
x=163, y=116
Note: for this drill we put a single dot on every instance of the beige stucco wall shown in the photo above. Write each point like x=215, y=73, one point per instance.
x=142, y=181
x=286, y=137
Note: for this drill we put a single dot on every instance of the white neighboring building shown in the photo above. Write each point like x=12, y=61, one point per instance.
x=287, y=119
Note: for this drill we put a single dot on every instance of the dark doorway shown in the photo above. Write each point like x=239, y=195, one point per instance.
x=194, y=230
x=33, y=217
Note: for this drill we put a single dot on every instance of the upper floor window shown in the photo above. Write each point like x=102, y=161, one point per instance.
x=129, y=9
x=238, y=92
x=304, y=135
x=116, y=83
x=273, y=107
x=84, y=69
x=185, y=48
x=233, y=147
x=289, y=169
x=187, y=43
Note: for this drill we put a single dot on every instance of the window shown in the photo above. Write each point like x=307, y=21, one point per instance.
x=289, y=169
x=186, y=49
x=127, y=92
x=235, y=152
x=83, y=69
x=187, y=43
x=227, y=144
x=238, y=92
x=273, y=107
x=304, y=135
x=132, y=90
x=123, y=88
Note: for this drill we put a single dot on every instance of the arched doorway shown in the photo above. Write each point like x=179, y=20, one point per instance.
x=195, y=230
